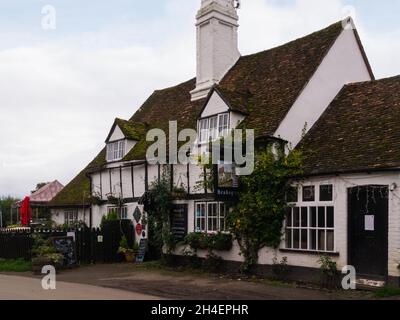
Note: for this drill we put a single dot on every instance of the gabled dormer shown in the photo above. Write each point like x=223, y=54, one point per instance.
x=122, y=138
x=222, y=112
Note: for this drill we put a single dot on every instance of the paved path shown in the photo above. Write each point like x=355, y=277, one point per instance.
x=23, y=288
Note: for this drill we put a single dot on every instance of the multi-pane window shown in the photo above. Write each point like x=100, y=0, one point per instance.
x=223, y=124
x=201, y=214
x=70, y=217
x=122, y=212
x=210, y=216
x=310, y=228
x=310, y=224
x=115, y=150
x=214, y=127
x=204, y=130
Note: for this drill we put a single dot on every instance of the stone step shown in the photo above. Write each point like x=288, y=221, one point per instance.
x=369, y=284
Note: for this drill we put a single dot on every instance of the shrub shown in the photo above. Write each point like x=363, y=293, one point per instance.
x=204, y=241
x=222, y=242
x=329, y=272
x=280, y=268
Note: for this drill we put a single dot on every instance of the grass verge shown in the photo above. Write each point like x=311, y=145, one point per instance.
x=18, y=265
x=387, y=292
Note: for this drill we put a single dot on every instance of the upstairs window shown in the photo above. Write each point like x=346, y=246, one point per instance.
x=115, y=150
x=223, y=124
x=214, y=127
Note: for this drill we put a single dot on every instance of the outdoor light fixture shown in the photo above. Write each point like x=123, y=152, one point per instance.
x=393, y=187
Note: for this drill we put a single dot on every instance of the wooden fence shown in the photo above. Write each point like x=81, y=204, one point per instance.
x=91, y=245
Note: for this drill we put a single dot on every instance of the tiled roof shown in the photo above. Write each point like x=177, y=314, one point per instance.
x=47, y=192
x=359, y=131
x=272, y=80
x=263, y=85
x=131, y=130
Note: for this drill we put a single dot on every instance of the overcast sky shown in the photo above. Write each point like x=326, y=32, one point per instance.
x=61, y=89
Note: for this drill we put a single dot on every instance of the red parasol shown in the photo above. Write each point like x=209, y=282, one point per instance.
x=25, y=212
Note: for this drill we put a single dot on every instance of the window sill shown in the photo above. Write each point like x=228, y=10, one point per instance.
x=316, y=253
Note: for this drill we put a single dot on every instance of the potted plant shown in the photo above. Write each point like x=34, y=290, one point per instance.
x=129, y=253
x=44, y=253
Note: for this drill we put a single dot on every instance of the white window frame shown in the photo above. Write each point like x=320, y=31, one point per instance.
x=223, y=128
x=300, y=204
x=206, y=223
x=214, y=127
x=122, y=212
x=116, y=150
x=70, y=217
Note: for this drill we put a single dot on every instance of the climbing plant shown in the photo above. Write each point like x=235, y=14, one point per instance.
x=257, y=220
x=158, y=208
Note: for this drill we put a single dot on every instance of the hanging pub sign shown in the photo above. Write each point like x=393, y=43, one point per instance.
x=225, y=181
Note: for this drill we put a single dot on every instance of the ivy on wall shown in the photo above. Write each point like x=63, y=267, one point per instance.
x=257, y=220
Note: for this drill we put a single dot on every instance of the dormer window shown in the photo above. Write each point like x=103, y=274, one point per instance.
x=214, y=127
x=115, y=150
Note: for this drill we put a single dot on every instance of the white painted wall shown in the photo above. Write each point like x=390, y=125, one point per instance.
x=117, y=134
x=341, y=185
x=343, y=64
x=235, y=119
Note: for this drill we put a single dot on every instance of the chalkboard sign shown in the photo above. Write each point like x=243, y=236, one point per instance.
x=142, y=250
x=179, y=221
x=66, y=246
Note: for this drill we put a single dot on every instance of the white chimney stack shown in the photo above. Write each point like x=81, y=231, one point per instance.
x=217, y=43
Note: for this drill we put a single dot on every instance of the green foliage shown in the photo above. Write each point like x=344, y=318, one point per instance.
x=203, y=241
x=257, y=220
x=160, y=204
x=280, y=268
x=43, y=249
x=18, y=265
x=329, y=272
x=111, y=216
x=328, y=266
x=5, y=207
x=125, y=248
x=387, y=292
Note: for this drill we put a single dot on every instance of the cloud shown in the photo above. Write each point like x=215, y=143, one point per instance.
x=60, y=94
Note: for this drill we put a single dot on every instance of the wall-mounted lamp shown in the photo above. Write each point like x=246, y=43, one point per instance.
x=393, y=187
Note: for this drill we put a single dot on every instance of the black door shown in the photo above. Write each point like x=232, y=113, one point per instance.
x=179, y=221
x=368, y=230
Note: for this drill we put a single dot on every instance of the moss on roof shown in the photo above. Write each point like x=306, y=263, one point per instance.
x=131, y=130
x=263, y=85
x=77, y=192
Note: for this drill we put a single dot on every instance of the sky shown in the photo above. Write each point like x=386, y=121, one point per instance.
x=62, y=88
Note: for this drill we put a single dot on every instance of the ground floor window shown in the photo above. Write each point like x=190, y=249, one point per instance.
x=210, y=216
x=310, y=228
x=70, y=217
x=122, y=212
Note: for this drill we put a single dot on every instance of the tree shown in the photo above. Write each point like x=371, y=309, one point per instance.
x=39, y=186
x=257, y=220
x=5, y=207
